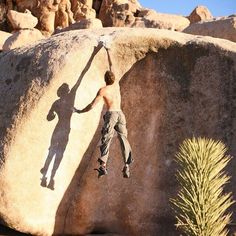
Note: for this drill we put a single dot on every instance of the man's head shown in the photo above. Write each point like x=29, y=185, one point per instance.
x=109, y=77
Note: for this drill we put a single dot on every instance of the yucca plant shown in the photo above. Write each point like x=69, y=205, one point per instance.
x=201, y=205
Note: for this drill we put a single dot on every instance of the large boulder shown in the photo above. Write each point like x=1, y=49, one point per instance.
x=20, y=20
x=200, y=13
x=224, y=27
x=23, y=37
x=3, y=37
x=19, y=6
x=151, y=19
x=173, y=86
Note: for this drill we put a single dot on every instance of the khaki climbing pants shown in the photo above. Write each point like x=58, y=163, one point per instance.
x=115, y=121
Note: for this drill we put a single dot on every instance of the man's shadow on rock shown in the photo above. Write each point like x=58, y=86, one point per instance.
x=63, y=108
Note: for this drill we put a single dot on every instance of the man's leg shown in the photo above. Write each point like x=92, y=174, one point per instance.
x=125, y=146
x=122, y=134
x=107, y=135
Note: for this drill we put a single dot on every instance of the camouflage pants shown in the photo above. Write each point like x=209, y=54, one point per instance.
x=115, y=121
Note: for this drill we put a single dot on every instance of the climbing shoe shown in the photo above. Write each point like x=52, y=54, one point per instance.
x=126, y=173
x=101, y=171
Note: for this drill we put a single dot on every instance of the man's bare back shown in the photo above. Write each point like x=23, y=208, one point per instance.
x=111, y=96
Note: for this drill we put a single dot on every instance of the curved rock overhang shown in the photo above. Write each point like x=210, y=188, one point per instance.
x=174, y=86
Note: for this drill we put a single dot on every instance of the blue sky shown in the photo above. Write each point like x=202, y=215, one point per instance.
x=185, y=7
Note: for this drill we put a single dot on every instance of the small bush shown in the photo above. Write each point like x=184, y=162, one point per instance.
x=200, y=205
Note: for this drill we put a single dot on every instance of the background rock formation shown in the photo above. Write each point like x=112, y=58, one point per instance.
x=117, y=13
x=151, y=19
x=113, y=13
x=173, y=86
x=55, y=15
x=82, y=9
x=224, y=27
x=21, y=20
x=3, y=13
x=92, y=23
x=200, y=13
x=64, y=15
x=46, y=12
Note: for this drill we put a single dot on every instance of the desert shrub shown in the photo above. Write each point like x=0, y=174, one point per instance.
x=201, y=204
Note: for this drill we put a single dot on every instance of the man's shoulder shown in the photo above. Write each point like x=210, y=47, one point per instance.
x=103, y=90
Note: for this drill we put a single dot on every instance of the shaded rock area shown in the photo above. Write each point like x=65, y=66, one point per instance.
x=3, y=17
x=5, y=231
x=174, y=86
x=224, y=27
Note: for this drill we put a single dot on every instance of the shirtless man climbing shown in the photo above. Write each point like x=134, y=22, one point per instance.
x=114, y=120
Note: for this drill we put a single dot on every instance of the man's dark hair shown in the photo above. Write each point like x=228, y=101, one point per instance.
x=109, y=77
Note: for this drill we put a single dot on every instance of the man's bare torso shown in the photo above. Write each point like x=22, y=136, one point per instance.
x=111, y=96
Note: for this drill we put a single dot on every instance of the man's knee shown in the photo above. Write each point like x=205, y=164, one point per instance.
x=122, y=134
x=121, y=130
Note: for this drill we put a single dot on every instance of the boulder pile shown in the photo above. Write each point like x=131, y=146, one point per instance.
x=222, y=27
x=55, y=16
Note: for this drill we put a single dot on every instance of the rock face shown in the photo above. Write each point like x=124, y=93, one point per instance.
x=220, y=28
x=173, y=86
x=151, y=19
x=22, y=20
x=200, y=13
